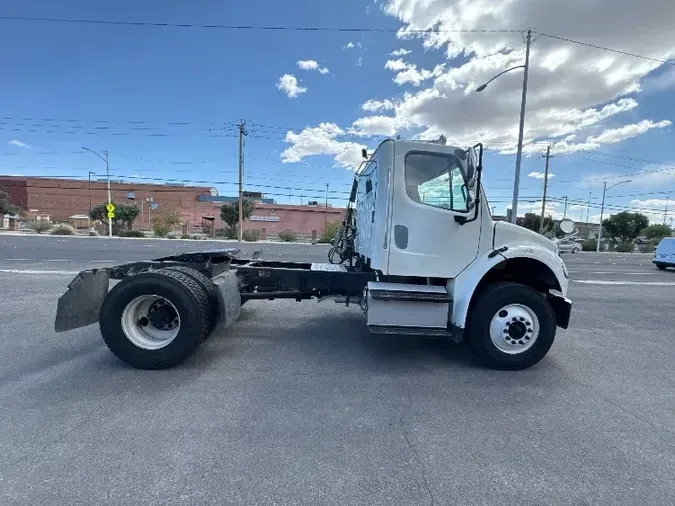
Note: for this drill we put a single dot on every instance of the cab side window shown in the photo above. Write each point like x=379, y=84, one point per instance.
x=436, y=180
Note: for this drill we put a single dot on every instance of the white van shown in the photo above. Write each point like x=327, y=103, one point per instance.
x=665, y=253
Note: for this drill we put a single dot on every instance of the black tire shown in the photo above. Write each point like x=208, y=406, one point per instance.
x=208, y=287
x=187, y=296
x=488, y=304
x=662, y=266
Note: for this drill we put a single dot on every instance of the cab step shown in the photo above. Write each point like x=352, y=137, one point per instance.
x=398, y=308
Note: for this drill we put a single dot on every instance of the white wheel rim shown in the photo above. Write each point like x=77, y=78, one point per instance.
x=150, y=322
x=514, y=329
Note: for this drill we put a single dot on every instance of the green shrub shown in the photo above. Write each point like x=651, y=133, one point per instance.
x=590, y=245
x=626, y=247
x=250, y=235
x=39, y=226
x=62, y=229
x=330, y=231
x=227, y=233
x=647, y=247
x=288, y=236
x=131, y=233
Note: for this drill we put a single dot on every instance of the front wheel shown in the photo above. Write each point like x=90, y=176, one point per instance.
x=575, y=250
x=511, y=326
x=661, y=266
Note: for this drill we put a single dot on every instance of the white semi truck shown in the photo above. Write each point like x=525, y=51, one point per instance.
x=422, y=257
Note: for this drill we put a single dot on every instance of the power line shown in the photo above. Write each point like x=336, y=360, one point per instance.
x=319, y=29
x=604, y=48
x=193, y=181
x=275, y=28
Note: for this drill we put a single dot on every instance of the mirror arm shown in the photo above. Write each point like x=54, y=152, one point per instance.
x=463, y=220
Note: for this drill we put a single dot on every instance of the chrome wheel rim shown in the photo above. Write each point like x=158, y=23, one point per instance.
x=150, y=322
x=514, y=329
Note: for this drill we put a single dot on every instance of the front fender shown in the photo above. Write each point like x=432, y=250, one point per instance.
x=464, y=286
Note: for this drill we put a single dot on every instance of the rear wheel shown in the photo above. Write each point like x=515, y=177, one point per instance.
x=208, y=287
x=575, y=250
x=155, y=320
x=511, y=326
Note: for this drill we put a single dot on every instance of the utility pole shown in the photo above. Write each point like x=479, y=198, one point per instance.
x=107, y=170
x=588, y=209
x=565, y=211
x=325, y=214
x=521, y=128
x=242, y=133
x=666, y=211
x=90, y=207
x=543, y=201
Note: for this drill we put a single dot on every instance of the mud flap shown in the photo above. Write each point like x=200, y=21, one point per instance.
x=81, y=304
x=229, y=298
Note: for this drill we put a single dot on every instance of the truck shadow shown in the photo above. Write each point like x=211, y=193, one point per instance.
x=333, y=340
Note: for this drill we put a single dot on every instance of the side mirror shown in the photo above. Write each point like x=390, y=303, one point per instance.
x=567, y=226
x=364, y=153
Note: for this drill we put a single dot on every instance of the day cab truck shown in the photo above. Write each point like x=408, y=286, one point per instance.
x=425, y=259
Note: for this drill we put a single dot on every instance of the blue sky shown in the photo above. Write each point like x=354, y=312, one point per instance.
x=164, y=101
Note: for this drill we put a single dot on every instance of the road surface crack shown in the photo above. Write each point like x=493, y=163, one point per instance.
x=413, y=449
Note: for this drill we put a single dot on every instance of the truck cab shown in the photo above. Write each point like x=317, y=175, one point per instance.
x=423, y=223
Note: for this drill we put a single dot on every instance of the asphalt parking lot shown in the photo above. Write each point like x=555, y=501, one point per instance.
x=299, y=404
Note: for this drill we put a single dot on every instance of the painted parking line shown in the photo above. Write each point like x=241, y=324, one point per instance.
x=622, y=273
x=35, y=271
x=634, y=283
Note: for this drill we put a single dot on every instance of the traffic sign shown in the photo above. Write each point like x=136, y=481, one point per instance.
x=111, y=208
x=111, y=215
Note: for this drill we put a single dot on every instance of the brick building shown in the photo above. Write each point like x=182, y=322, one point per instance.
x=71, y=199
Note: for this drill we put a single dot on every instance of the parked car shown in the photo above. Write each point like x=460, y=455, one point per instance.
x=568, y=246
x=665, y=253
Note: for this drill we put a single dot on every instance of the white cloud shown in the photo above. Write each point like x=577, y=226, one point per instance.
x=288, y=83
x=312, y=65
x=376, y=125
x=615, y=135
x=377, y=105
x=540, y=175
x=551, y=209
x=573, y=88
x=662, y=81
x=400, y=52
x=308, y=64
x=359, y=61
x=396, y=65
x=408, y=72
x=655, y=209
x=20, y=144
x=574, y=92
x=322, y=140
x=352, y=45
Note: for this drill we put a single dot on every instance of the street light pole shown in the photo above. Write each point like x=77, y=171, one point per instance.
x=521, y=127
x=107, y=171
x=602, y=210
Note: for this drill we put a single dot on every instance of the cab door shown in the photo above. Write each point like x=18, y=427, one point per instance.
x=430, y=190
